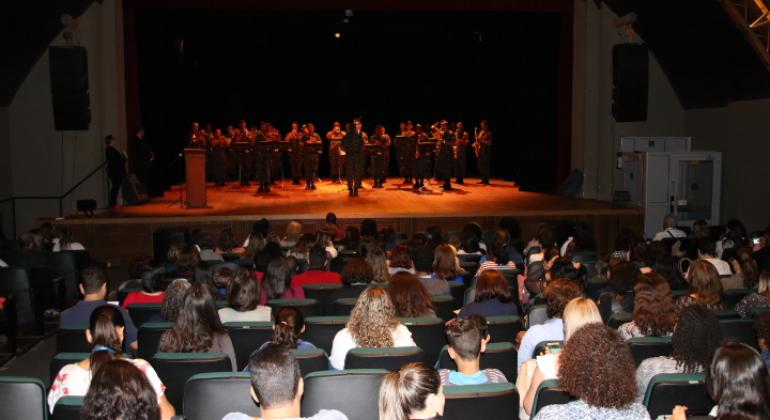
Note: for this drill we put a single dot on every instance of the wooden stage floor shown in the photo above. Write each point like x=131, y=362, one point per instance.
x=120, y=235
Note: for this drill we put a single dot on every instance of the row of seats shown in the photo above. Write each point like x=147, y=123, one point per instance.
x=428, y=334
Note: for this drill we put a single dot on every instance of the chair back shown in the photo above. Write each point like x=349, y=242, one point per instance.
x=457, y=290
x=212, y=395
x=247, y=337
x=72, y=339
x=320, y=330
x=537, y=315
x=739, y=330
x=504, y=328
x=541, y=346
x=491, y=401
x=67, y=408
x=646, y=347
x=343, y=306
x=500, y=356
x=429, y=334
x=62, y=264
x=321, y=293
x=17, y=281
x=60, y=360
x=143, y=312
x=549, y=392
x=351, y=391
x=391, y=358
x=617, y=319
x=22, y=397
x=174, y=369
x=311, y=360
x=308, y=307
x=444, y=304
x=148, y=337
x=727, y=314
x=670, y=389
x=731, y=297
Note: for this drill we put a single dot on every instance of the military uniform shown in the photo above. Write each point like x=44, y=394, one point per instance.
x=263, y=162
x=379, y=158
x=445, y=158
x=421, y=165
x=219, y=148
x=295, y=155
x=484, y=140
x=310, y=159
x=336, y=161
x=353, y=145
x=461, y=155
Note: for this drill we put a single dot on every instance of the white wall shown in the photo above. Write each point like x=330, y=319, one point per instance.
x=595, y=134
x=48, y=162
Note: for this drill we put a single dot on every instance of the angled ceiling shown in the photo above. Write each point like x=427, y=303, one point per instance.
x=702, y=52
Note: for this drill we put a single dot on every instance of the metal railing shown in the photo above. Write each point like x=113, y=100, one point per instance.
x=59, y=198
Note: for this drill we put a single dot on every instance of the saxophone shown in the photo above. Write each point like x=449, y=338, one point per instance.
x=476, y=143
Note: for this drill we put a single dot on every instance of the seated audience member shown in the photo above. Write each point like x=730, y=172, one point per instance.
x=762, y=327
x=172, y=255
x=493, y=297
x=259, y=229
x=188, y=263
x=331, y=226
x=470, y=246
x=205, y=245
x=378, y=260
x=276, y=283
x=745, y=269
x=105, y=336
x=255, y=245
x=222, y=278
x=93, y=286
x=499, y=259
x=670, y=231
x=654, y=312
x=372, y=323
x=227, y=243
x=696, y=337
x=707, y=252
x=596, y=366
x=733, y=238
x=289, y=326
x=119, y=390
x=292, y=234
x=738, y=382
x=758, y=299
x=316, y=272
x=326, y=241
x=466, y=343
x=619, y=297
x=271, y=251
x=151, y=291
x=704, y=287
x=243, y=301
x=172, y=301
x=400, y=260
x=578, y=312
x=356, y=276
x=446, y=265
x=414, y=392
x=66, y=242
x=558, y=293
x=301, y=248
x=410, y=297
x=762, y=251
x=277, y=386
x=197, y=328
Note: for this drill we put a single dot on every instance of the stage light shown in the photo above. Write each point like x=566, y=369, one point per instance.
x=337, y=35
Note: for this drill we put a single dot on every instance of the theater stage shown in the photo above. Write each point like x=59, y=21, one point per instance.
x=125, y=233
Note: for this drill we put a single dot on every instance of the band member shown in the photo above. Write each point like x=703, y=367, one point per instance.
x=353, y=145
x=294, y=137
x=262, y=159
x=116, y=168
x=409, y=152
x=336, y=155
x=382, y=140
x=483, y=149
x=245, y=154
x=445, y=146
x=194, y=137
x=421, y=160
x=219, y=146
x=141, y=158
x=462, y=140
x=272, y=134
x=310, y=155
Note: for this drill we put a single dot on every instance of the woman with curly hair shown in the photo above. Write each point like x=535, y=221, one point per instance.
x=758, y=299
x=410, y=297
x=654, y=313
x=372, y=323
x=119, y=390
x=704, y=288
x=173, y=300
x=596, y=366
x=198, y=328
x=696, y=337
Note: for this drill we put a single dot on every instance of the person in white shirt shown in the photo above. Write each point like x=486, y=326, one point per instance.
x=277, y=386
x=372, y=323
x=669, y=229
x=243, y=301
x=707, y=252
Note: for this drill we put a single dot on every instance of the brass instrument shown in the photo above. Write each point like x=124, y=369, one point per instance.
x=476, y=143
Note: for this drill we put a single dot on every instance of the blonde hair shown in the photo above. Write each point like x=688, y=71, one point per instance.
x=763, y=285
x=373, y=319
x=579, y=312
x=445, y=262
x=407, y=391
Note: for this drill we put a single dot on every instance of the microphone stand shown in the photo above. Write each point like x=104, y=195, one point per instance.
x=176, y=160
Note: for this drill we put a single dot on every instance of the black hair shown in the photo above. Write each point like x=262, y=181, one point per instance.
x=738, y=381
x=152, y=279
x=316, y=256
x=696, y=337
x=275, y=375
x=93, y=278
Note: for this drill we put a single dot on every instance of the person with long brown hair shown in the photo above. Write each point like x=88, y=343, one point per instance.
x=704, y=287
x=414, y=392
x=493, y=297
x=372, y=323
x=410, y=297
x=198, y=328
x=654, y=312
x=243, y=300
x=446, y=269
x=105, y=335
x=276, y=282
x=119, y=390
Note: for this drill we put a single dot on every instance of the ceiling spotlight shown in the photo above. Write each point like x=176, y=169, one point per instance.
x=337, y=35
x=349, y=12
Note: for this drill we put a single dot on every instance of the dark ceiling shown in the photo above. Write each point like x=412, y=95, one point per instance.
x=704, y=55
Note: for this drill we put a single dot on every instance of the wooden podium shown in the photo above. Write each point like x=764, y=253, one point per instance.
x=195, y=176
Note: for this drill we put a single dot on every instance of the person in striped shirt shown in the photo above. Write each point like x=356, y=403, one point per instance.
x=468, y=338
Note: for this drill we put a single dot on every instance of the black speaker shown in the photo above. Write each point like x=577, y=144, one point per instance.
x=69, y=87
x=630, y=80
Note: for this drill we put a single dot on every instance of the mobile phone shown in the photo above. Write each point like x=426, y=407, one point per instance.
x=553, y=347
x=755, y=241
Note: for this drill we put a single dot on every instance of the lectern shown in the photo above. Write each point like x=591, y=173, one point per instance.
x=195, y=175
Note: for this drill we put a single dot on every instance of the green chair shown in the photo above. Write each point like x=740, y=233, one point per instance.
x=504, y=328
x=308, y=307
x=148, y=338
x=646, y=347
x=549, y=392
x=67, y=408
x=727, y=314
x=429, y=334
x=174, y=369
x=343, y=306
x=72, y=339
x=352, y=391
x=739, y=330
x=617, y=319
x=320, y=330
x=670, y=389
x=501, y=356
x=391, y=358
x=143, y=312
x=321, y=293
x=212, y=395
x=491, y=401
x=247, y=337
x=60, y=360
x=22, y=397
x=445, y=306
x=311, y=360
x=731, y=297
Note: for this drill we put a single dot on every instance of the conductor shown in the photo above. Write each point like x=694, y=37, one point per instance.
x=353, y=145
